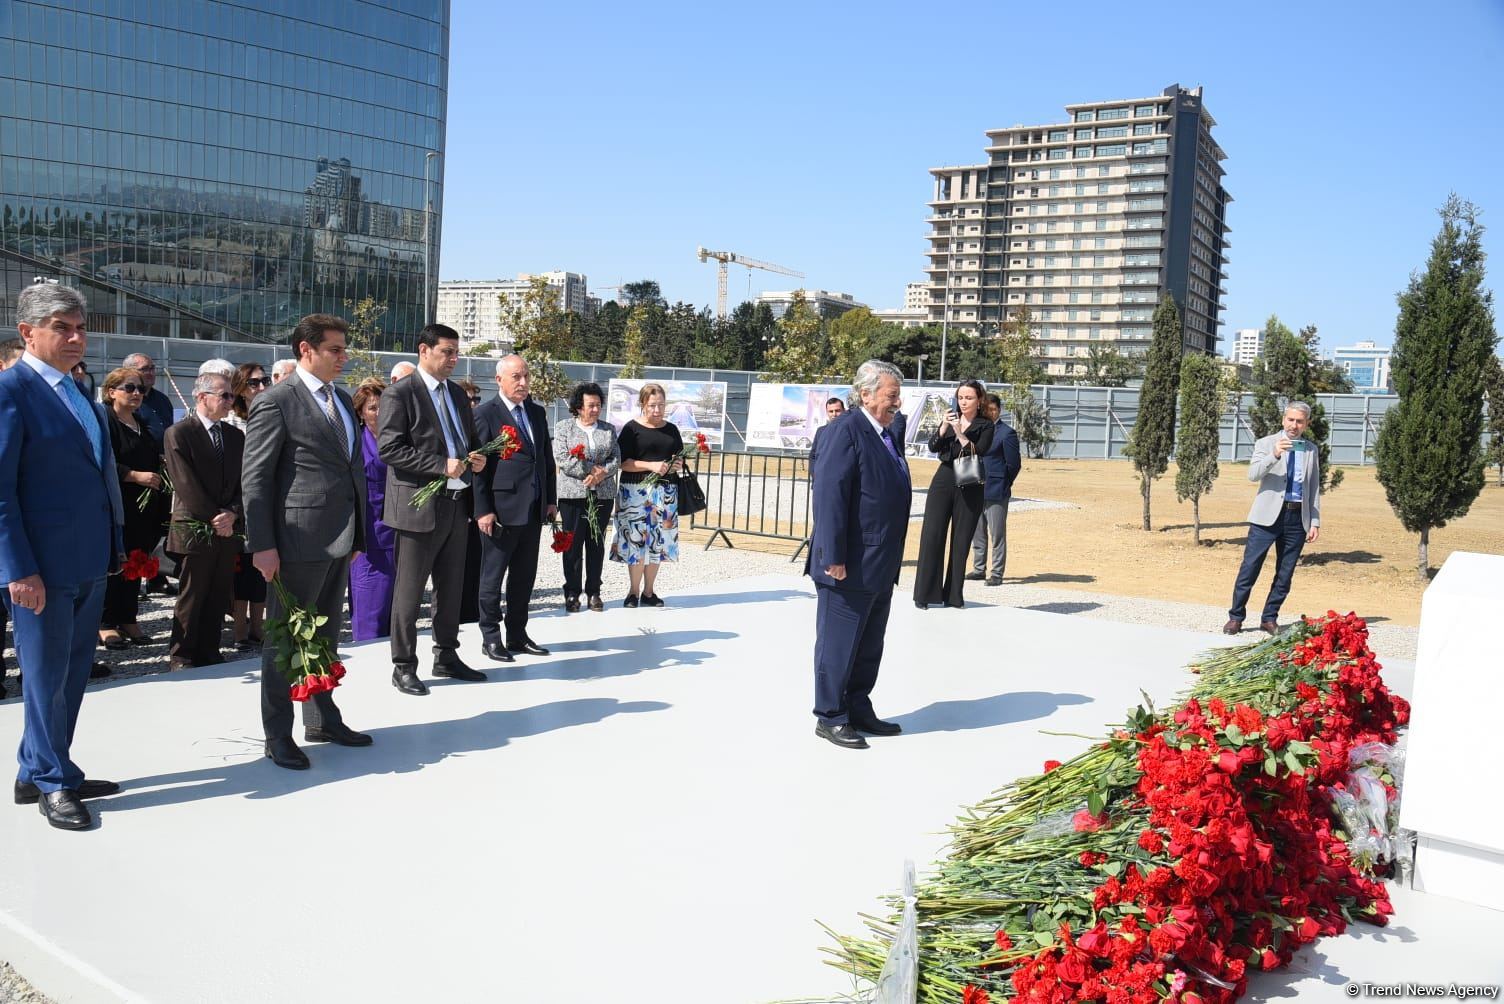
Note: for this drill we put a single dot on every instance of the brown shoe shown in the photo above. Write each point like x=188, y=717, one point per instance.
x=596, y=605
x=1269, y=627
x=1232, y=627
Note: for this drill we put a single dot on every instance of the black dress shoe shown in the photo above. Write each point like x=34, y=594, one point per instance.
x=572, y=605
x=285, y=753
x=958, y=606
x=339, y=735
x=921, y=605
x=876, y=726
x=99, y=671
x=995, y=580
x=630, y=601
x=596, y=604
x=975, y=576
x=140, y=639
x=27, y=793
x=496, y=652
x=652, y=600
x=528, y=647
x=843, y=736
x=116, y=644
x=457, y=670
x=407, y=681
x=64, y=810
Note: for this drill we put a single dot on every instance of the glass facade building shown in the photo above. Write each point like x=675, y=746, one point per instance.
x=219, y=169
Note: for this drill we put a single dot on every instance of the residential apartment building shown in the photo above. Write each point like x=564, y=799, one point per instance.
x=1086, y=223
x=916, y=317
x=916, y=296
x=473, y=307
x=1366, y=365
x=1247, y=345
x=825, y=303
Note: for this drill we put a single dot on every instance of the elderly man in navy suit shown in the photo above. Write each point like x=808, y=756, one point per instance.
x=862, y=491
x=60, y=534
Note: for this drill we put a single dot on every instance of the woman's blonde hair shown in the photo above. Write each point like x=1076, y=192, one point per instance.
x=647, y=392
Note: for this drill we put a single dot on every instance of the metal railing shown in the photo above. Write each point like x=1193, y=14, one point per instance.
x=757, y=495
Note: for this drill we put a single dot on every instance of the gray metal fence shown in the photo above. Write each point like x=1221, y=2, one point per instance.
x=1093, y=422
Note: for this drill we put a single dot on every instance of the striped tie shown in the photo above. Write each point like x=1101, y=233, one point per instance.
x=217, y=438
x=330, y=413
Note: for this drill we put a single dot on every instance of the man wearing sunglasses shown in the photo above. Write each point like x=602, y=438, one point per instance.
x=203, y=454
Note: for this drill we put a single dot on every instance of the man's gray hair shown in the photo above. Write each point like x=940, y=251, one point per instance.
x=37, y=303
x=501, y=364
x=283, y=368
x=402, y=369
x=208, y=382
x=136, y=360
x=1301, y=407
x=871, y=373
x=219, y=367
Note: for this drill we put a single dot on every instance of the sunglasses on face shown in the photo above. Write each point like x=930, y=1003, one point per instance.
x=259, y=382
x=132, y=388
x=223, y=396
x=475, y=399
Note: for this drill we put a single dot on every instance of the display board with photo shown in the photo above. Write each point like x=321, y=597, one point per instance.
x=692, y=405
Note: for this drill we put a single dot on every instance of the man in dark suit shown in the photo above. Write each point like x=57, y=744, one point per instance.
x=304, y=488
x=834, y=409
x=1000, y=464
x=862, y=492
x=10, y=353
x=425, y=431
x=513, y=498
x=61, y=533
x=203, y=454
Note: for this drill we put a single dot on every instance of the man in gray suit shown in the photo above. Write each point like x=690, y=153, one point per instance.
x=303, y=486
x=1286, y=512
x=425, y=431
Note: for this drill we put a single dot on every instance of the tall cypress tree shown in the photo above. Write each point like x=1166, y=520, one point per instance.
x=1493, y=381
x=1429, y=451
x=1153, y=436
x=1202, y=396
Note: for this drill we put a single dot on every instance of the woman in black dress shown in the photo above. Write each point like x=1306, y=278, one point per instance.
x=948, y=508
x=248, y=607
x=647, y=512
x=138, y=460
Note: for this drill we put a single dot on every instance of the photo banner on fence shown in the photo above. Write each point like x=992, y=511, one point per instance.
x=785, y=416
x=692, y=405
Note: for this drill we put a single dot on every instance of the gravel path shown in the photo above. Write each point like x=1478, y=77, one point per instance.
x=699, y=567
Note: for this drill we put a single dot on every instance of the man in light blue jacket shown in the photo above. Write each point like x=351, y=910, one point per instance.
x=1286, y=512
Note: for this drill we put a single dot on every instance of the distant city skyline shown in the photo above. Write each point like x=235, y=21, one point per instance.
x=681, y=137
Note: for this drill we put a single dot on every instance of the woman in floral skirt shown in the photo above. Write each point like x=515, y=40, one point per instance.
x=647, y=513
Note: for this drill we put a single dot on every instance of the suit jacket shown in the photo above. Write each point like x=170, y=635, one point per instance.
x=861, y=500
x=1270, y=473
x=571, y=484
x=411, y=443
x=814, y=447
x=506, y=487
x=203, y=484
x=1001, y=463
x=304, y=488
x=61, y=516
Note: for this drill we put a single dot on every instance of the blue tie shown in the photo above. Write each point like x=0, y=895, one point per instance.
x=893, y=450
x=85, y=415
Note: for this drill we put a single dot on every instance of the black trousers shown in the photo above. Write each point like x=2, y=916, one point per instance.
x=206, y=585
x=510, y=552
x=587, y=546
x=850, y=628
x=948, y=511
x=439, y=553
x=321, y=585
x=470, y=597
x=1288, y=535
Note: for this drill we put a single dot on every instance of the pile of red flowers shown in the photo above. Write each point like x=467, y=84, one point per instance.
x=563, y=540
x=1207, y=848
x=139, y=565
x=318, y=683
x=301, y=650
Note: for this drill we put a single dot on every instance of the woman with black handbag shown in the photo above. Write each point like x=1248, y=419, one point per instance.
x=954, y=502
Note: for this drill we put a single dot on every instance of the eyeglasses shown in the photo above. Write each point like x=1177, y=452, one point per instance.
x=475, y=399
x=259, y=382
x=223, y=395
x=131, y=388
x=146, y=369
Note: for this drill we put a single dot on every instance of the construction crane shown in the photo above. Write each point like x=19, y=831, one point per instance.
x=724, y=258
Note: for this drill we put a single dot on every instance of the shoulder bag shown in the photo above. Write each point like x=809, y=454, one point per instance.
x=968, y=468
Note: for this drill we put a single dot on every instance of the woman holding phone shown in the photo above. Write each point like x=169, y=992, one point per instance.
x=950, y=509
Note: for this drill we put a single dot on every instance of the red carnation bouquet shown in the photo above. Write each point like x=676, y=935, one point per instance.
x=503, y=445
x=592, y=514
x=139, y=565
x=303, y=655
x=700, y=445
x=563, y=539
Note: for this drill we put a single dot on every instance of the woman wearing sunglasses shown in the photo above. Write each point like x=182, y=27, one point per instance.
x=138, y=460
x=249, y=605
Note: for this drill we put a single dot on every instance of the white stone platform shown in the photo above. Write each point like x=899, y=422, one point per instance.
x=645, y=815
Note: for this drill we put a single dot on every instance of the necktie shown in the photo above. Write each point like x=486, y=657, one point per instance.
x=85, y=415
x=893, y=450
x=332, y=415
x=520, y=414
x=217, y=438
x=446, y=415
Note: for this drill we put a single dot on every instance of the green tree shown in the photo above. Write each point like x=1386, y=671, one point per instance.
x=1493, y=380
x=1107, y=367
x=633, y=358
x=1429, y=451
x=643, y=293
x=1285, y=372
x=361, y=341
x=598, y=338
x=744, y=337
x=854, y=337
x=1016, y=361
x=1031, y=420
x=795, y=355
x=1153, y=436
x=1326, y=376
x=1203, y=395
x=541, y=334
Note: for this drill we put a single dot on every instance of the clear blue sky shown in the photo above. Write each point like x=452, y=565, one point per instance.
x=611, y=139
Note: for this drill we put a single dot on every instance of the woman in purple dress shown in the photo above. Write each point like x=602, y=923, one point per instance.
x=372, y=571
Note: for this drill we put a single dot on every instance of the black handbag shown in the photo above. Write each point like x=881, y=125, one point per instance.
x=968, y=469
x=691, y=495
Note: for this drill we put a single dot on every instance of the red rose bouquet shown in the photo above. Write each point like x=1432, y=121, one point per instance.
x=303, y=655
x=139, y=565
x=503, y=445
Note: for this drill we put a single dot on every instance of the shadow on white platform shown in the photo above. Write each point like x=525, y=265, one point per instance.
x=644, y=815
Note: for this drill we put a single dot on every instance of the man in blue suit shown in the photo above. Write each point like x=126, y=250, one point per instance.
x=862, y=492
x=60, y=535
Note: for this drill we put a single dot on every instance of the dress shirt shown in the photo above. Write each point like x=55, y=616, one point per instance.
x=315, y=387
x=55, y=378
x=449, y=422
